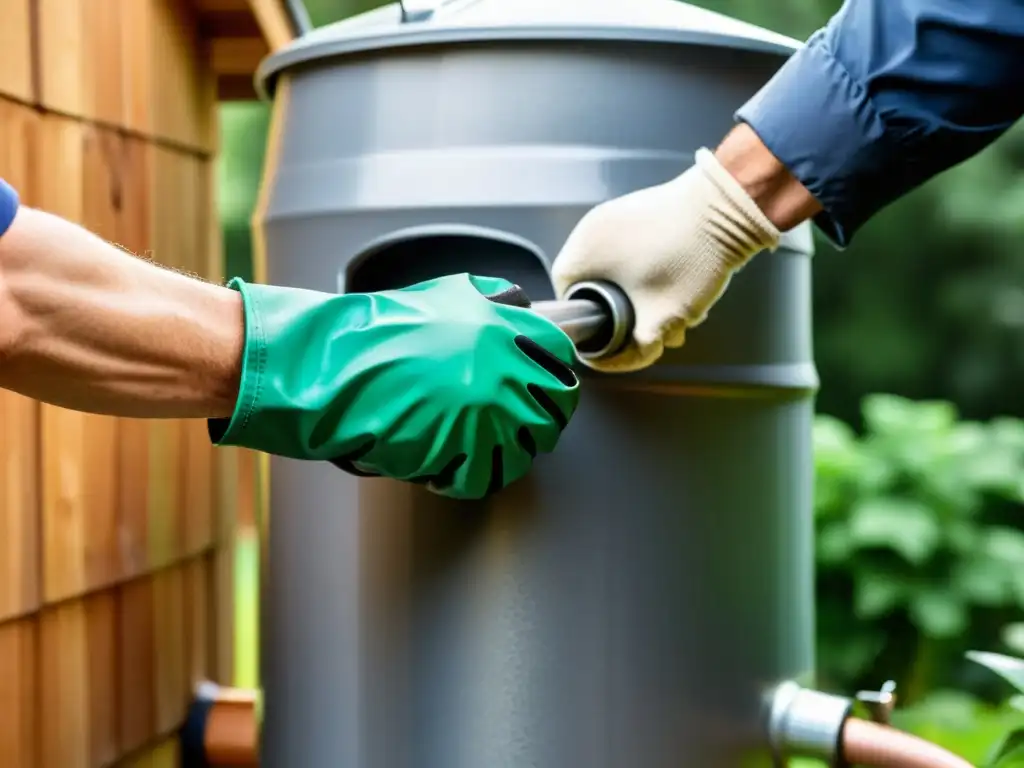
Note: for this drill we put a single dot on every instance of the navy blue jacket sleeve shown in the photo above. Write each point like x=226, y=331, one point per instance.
x=8, y=206
x=889, y=94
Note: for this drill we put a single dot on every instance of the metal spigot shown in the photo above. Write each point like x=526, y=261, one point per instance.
x=803, y=722
x=881, y=703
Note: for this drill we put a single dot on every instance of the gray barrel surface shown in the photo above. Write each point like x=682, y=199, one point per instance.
x=626, y=604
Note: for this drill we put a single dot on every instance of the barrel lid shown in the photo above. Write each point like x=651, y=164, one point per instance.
x=429, y=22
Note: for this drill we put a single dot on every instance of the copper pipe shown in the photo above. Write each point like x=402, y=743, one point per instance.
x=879, y=746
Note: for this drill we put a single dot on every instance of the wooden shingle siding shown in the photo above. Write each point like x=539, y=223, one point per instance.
x=115, y=534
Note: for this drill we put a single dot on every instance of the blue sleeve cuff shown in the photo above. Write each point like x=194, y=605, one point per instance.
x=8, y=206
x=829, y=136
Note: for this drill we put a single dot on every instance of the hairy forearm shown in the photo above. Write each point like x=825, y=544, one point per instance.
x=88, y=326
x=784, y=200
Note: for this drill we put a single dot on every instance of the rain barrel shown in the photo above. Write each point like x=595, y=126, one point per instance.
x=627, y=603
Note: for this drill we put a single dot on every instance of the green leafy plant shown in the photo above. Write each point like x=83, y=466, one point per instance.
x=920, y=556
x=1009, y=751
x=958, y=721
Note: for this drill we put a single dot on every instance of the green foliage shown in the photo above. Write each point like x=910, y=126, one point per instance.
x=926, y=301
x=1009, y=751
x=918, y=551
x=797, y=18
x=1007, y=667
x=323, y=12
x=959, y=722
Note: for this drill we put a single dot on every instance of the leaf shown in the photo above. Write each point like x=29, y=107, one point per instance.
x=981, y=461
x=1010, y=752
x=1007, y=667
x=836, y=464
x=833, y=545
x=1008, y=432
x=897, y=416
x=983, y=581
x=946, y=709
x=985, y=461
x=958, y=722
x=905, y=526
x=997, y=471
x=1013, y=636
x=1005, y=544
x=938, y=614
x=834, y=438
x=877, y=472
x=877, y=595
x=964, y=537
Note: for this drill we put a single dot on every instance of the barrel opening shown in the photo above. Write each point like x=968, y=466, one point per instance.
x=412, y=256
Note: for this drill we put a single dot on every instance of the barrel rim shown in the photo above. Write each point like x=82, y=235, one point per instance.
x=296, y=55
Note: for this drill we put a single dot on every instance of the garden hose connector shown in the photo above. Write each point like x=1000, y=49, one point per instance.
x=806, y=723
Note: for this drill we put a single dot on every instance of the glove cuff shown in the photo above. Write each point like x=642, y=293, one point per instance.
x=741, y=226
x=279, y=324
x=225, y=431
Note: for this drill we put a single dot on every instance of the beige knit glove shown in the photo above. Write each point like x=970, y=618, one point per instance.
x=672, y=248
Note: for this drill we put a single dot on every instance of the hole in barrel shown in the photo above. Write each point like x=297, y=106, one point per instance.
x=416, y=258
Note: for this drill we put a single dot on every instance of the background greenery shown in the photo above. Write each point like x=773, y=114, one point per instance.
x=920, y=546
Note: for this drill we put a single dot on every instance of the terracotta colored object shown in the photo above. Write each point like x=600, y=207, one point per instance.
x=879, y=746
x=222, y=730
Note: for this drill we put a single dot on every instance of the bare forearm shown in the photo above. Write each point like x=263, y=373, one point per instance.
x=88, y=326
x=784, y=200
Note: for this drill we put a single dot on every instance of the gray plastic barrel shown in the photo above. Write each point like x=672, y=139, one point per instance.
x=627, y=604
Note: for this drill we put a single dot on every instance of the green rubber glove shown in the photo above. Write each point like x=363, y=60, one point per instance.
x=433, y=383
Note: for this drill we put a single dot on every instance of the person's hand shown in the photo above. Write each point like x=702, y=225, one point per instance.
x=433, y=384
x=672, y=248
